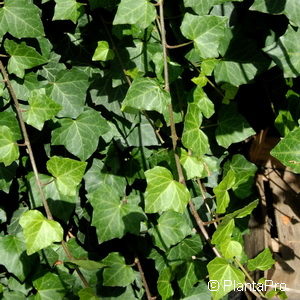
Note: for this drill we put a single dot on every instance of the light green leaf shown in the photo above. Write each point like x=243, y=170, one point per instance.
x=13, y=257
x=164, y=286
x=86, y=264
x=223, y=232
x=269, y=6
x=208, y=65
x=9, y=119
x=231, y=249
x=233, y=127
x=81, y=136
x=292, y=11
x=225, y=274
x=22, y=57
x=69, y=90
x=103, y=52
x=146, y=94
x=113, y=217
x=21, y=19
x=67, y=172
x=9, y=150
x=286, y=53
x=67, y=10
x=117, y=273
x=204, y=103
x=141, y=13
x=41, y=108
x=199, y=7
x=263, y=261
x=284, y=122
x=193, y=137
x=221, y=191
x=288, y=150
x=162, y=186
x=205, y=31
x=192, y=165
x=39, y=232
x=243, y=212
x=87, y=294
x=171, y=228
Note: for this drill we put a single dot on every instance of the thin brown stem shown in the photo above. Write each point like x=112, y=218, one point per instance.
x=139, y=266
x=179, y=46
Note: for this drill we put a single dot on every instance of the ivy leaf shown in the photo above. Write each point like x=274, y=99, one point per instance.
x=223, y=232
x=205, y=31
x=243, y=212
x=9, y=119
x=21, y=19
x=268, y=6
x=192, y=165
x=284, y=122
x=41, y=109
x=117, y=273
x=225, y=274
x=164, y=286
x=194, y=138
x=69, y=90
x=231, y=249
x=39, y=232
x=22, y=57
x=287, y=150
x=80, y=136
x=221, y=191
x=67, y=10
x=162, y=186
x=204, y=103
x=86, y=264
x=263, y=261
x=146, y=94
x=9, y=150
x=112, y=217
x=140, y=13
x=171, y=228
x=198, y=292
x=200, y=8
x=285, y=52
x=67, y=172
x=233, y=127
x=13, y=257
x=103, y=52
x=87, y=294
x=7, y=174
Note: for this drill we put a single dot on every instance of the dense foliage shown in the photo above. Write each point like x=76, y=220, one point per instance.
x=123, y=142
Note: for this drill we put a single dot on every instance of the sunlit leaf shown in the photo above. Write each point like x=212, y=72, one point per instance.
x=263, y=261
x=67, y=10
x=9, y=150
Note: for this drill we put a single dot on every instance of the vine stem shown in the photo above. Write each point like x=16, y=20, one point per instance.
x=33, y=163
x=139, y=266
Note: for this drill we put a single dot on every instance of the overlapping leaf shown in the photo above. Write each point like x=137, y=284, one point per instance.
x=103, y=52
x=9, y=150
x=67, y=10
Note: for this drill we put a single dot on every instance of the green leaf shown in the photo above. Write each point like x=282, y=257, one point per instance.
x=7, y=174
x=221, y=191
x=67, y=10
x=194, y=138
x=200, y=8
x=205, y=31
x=9, y=119
x=13, y=257
x=199, y=292
x=204, y=103
x=41, y=108
x=117, y=273
x=225, y=274
x=67, y=172
x=285, y=53
x=162, y=186
x=231, y=249
x=86, y=264
x=284, y=122
x=269, y=6
x=22, y=57
x=287, y=150
x=140, y=13
x=171, y=228
x=113, y=217
x=103, y=52
x=146, y=94
x=69, y=90
x=39, y=232
x=243, y=212
x=21, y=19
x=9, y=150
x=233, y=127
x=87, y=294
x=164, y=286
x=192, y=165
x=223, y=232
x=81, y=136
x=263, y=261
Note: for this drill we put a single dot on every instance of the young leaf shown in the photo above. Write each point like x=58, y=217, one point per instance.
x=146, y=94
x=288, y=150
x=263, y=261
x=231, y=249
x=67, y=10
x=81, y=136
x=9, y=150
x=22, y=57
x=39, y=232
x=192, y=165
x=164, y=286
x=103, y=52
x=113, y=217
x=172, y=227
x=117, y=272
x=243, y=212
x=205, y=31
x=21, y=19
x=41, y=109
x=67, y=172
x=223, y=232
x=204, y=103
x=225, y=274
x=141, y=13
x=162, y=186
